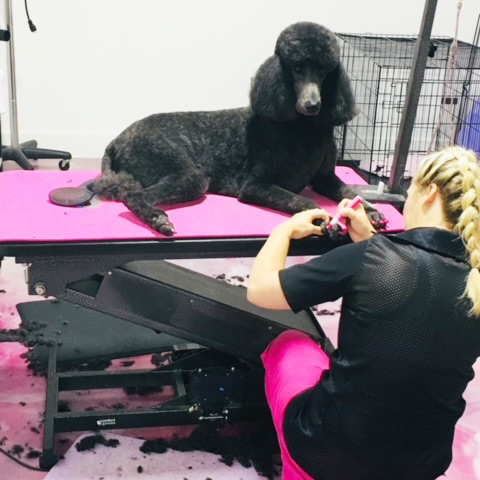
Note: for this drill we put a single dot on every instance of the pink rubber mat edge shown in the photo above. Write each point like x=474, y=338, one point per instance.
x=27, y=215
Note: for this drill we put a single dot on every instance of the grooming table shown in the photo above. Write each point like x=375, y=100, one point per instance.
x=106, y=267
x=84, y=255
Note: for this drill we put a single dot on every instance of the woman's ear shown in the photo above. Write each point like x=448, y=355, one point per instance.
x=338, y=102
x=431, y=193
x=271, y=93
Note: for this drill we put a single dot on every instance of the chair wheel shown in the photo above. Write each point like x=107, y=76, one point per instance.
x=64, y=164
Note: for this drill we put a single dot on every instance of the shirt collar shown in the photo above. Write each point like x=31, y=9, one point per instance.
x=437, y=240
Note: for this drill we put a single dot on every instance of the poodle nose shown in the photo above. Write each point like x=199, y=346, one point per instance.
x=312, y=107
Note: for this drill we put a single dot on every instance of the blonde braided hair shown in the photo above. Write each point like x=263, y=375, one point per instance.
x=456, y=171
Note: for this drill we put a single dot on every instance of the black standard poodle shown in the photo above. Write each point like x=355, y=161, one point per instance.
x=264, y=154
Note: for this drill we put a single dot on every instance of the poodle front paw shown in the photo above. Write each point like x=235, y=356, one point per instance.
x=377, y=219
x=162, y=224
x=335, y=234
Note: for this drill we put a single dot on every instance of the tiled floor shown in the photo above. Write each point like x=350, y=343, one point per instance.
x=22, y=395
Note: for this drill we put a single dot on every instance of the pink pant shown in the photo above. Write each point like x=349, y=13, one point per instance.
x=293, y=363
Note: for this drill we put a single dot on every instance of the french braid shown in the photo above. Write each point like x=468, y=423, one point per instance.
x=456, y=171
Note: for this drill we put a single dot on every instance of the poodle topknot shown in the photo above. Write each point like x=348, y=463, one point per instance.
x=310, y=44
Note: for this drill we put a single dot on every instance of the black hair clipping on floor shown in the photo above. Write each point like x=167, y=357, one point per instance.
x=71, y=196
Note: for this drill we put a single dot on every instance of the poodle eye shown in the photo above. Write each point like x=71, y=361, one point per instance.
x=297, y=69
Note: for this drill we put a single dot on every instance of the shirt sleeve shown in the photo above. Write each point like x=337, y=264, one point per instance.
x=322, y=279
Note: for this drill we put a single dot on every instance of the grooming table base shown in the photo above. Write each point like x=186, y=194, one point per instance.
x=216, y=385
x=208, y=388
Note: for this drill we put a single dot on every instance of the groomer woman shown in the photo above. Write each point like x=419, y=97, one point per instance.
x=385, y=405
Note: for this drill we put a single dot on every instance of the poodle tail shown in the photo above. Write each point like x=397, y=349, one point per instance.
x=111, y=185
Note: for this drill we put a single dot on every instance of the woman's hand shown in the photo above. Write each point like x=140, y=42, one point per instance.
x=301, y=224
x=358, y=224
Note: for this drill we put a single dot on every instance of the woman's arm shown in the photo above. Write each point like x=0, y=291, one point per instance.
x=264, y=289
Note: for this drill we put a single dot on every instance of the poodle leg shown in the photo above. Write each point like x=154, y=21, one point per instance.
x=325, y=182
x=174, y=188
x=275, y=197
x=330, y=186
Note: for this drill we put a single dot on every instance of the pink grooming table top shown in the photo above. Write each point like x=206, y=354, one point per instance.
x=27, y=215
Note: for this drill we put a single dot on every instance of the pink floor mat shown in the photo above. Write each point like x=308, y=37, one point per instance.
x=126, y=461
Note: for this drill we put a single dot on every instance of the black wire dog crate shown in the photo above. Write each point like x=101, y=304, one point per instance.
x=448, y=110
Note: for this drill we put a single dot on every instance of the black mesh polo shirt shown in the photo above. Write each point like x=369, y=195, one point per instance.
x=387, y=408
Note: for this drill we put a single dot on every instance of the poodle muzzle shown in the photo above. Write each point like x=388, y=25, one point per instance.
x=308, y=94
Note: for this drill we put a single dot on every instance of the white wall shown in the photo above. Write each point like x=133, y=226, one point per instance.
x=95, y=66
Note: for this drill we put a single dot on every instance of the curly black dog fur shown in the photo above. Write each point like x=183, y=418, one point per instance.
x=265, y=154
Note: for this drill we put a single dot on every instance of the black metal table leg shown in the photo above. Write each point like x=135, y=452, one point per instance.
x=49, y=459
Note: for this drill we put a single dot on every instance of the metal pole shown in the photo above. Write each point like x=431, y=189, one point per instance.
x=12, y=87
x=411, y=101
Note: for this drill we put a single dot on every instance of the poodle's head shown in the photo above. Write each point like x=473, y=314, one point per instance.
x=305, y=77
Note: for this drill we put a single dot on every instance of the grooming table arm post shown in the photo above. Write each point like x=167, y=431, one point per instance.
x=411, y=101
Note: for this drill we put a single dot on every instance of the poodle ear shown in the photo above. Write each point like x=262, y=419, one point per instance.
x=338, y=102
x=271, y=93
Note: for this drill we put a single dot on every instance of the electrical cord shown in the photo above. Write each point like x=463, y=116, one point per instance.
x=33, y=28
x=23, y=464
